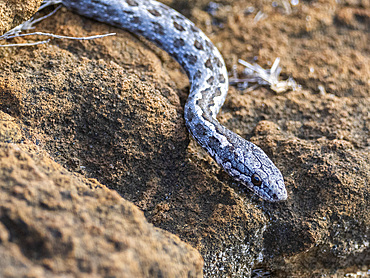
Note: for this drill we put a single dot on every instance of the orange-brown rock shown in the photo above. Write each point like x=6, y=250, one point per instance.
x=111, y=110
x=15, y=12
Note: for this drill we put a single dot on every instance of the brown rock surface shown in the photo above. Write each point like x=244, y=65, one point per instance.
x=108, y=109
x=55, y=223
x=14, y=12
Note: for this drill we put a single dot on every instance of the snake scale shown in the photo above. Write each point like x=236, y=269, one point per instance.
x=208, y=77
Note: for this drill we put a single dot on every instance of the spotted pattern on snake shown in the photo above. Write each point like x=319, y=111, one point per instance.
x=208, y=77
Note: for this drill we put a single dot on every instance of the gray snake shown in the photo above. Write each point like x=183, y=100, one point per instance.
x=208, y=77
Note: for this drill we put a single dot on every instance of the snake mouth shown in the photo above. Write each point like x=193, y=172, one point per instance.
x=266, y=193
x=276, y=196
x=269, y=191
x=271, y=197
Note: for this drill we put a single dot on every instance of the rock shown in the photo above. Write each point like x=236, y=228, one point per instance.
x=55, y=223
x=108, y=109
x=15, y=12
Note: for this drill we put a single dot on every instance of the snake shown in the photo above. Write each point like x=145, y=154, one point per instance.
x=245, y=162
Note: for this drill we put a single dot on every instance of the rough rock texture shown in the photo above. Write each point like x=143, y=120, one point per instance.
x=111, y=109
x=14, y=12
x=56, y=223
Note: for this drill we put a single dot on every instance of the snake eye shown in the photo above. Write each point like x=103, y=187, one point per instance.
x=256, y=180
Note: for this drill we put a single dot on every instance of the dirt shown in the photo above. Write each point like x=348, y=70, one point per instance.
x=111, y=109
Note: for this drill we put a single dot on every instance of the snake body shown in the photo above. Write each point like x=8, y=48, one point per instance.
x=208, y=77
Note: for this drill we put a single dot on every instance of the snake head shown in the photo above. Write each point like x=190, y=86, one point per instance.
x=270, y=189
x=254, y=169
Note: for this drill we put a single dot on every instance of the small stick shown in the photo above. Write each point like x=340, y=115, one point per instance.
x=28, y=25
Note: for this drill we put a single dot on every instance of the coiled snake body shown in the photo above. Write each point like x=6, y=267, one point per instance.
x=207, y=72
